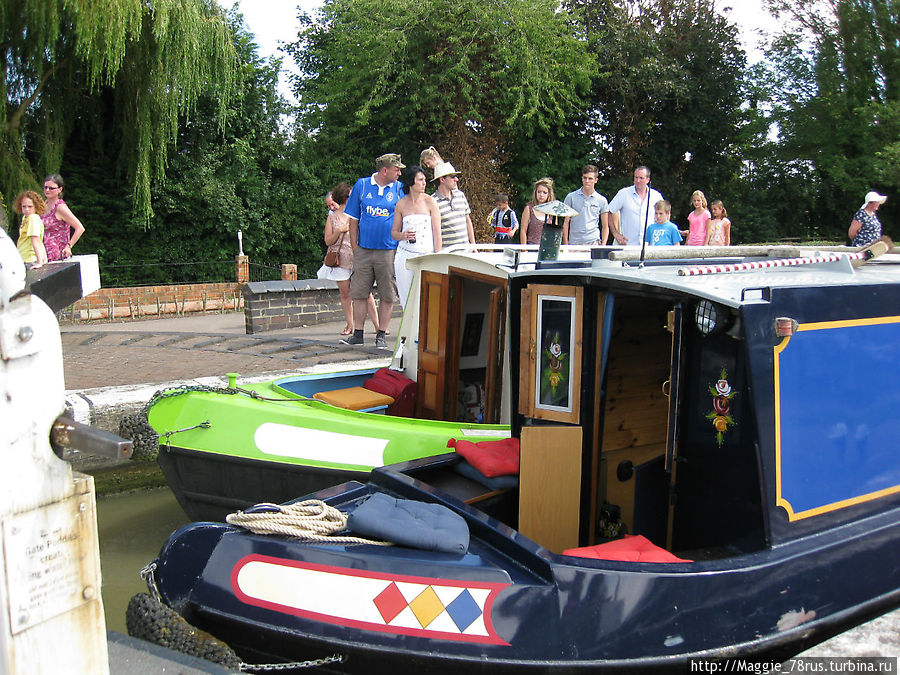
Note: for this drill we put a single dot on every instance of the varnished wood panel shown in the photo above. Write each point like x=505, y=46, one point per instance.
x=550, y=485
x=432, y=355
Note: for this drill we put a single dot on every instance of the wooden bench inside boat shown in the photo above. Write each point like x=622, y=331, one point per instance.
x=356, y=398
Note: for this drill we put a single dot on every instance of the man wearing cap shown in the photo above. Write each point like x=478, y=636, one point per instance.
x=865, y=228
x=632, y=208
x=591, y=225
x=371, y=210
x=456, y=223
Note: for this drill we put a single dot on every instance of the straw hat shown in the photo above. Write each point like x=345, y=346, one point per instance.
x=444, y=169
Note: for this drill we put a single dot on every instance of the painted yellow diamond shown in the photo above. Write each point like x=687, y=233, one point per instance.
x=426, y=606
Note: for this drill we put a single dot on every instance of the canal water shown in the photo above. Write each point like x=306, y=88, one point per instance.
x=133, y=527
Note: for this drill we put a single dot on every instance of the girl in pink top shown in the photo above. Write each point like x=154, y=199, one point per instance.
x=719, y=230
x=698, y=219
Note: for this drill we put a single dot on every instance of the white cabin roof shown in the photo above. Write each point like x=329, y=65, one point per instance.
x=736, y=288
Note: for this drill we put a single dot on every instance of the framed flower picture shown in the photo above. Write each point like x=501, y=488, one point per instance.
x=551, y=376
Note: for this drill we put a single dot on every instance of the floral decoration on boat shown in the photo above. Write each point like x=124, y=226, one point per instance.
x=555, y=372
x=722, y=395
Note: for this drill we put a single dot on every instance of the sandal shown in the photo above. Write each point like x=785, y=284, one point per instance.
x=347, y=331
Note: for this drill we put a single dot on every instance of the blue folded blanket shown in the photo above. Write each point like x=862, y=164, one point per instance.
x=410, y=523
x=463, y=468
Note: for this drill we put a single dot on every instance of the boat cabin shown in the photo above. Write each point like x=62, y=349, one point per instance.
x=453, y=335
x=716, y=414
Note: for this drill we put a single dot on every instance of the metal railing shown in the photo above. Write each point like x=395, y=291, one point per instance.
x=166, y=273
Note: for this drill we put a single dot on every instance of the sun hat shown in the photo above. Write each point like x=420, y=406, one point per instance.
x=444, y=169
x=556, y=208
x=873, y=197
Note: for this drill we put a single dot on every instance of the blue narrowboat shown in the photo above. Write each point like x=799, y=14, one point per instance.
x=735, y=418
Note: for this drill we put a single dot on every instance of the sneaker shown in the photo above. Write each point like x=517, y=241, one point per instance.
x=379, y=342
x=354, y=340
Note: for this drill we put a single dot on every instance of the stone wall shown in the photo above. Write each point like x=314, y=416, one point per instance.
x=272, y=305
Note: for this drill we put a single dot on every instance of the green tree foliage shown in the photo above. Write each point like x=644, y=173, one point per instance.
x=244, y=173
x=835, y=100
x=148, y=60
x=670, y=81
x=399, y=75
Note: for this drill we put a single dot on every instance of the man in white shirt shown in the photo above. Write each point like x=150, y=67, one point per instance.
x=629, y=209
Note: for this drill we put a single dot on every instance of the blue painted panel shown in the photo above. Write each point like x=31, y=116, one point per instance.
x=839, y=404
x=307, y=385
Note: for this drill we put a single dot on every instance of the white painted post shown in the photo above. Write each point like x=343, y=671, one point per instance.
x=51, y=613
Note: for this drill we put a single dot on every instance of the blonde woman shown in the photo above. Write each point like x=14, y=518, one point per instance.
x=698, y=220
x=532, y=224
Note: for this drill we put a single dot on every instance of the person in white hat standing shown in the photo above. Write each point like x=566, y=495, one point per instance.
x=865, y=227
x=456, y=223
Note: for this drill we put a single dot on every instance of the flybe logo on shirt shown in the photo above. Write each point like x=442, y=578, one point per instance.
x=377, y=212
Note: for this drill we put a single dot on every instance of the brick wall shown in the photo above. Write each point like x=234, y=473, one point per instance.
x=151, y=301
x=267, y=305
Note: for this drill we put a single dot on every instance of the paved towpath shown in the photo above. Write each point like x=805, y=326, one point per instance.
x=156, y=351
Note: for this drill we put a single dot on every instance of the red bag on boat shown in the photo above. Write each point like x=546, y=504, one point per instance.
x=398, y=386
x=492, y=458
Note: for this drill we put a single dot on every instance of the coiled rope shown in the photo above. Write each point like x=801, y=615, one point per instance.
x=309, y=520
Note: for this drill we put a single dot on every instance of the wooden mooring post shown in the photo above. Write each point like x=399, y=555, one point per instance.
x=51, y=618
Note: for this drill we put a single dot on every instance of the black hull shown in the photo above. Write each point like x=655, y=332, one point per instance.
x=209, y=486
x=368, y=659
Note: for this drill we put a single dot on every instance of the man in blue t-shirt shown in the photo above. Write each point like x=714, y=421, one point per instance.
x=663, y=232
x=371, y=210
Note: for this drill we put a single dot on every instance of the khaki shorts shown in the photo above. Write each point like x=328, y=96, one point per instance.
x=373, y=266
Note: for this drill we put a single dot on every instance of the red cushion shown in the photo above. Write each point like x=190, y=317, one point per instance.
x=633, y=548
x=492, y=458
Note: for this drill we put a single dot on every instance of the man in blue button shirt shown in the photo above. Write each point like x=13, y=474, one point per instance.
x=371, y=210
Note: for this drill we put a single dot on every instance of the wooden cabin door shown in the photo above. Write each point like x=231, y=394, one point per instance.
x=496, y=336
x=434, y=307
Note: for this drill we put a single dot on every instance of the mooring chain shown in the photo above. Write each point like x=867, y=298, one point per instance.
x=295, y=665
x=148, y=574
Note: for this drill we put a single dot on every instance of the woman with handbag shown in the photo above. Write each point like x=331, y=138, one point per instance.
x=338, y=264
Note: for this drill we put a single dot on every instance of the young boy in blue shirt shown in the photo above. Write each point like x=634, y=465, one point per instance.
x=663, y=232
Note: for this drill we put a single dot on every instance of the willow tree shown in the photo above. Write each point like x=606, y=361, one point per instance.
x=147, y=60
x=398, y=75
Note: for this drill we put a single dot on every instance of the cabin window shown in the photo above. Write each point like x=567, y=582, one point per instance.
x=550, y=378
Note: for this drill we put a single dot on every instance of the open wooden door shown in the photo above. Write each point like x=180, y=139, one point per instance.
x=433, y=311
x=496, y=336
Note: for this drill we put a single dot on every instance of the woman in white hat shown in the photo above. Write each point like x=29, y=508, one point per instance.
x=865, y=227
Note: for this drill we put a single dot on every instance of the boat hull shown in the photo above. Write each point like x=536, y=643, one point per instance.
x=275, y=445
x=209, y=487
x=275, y=599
